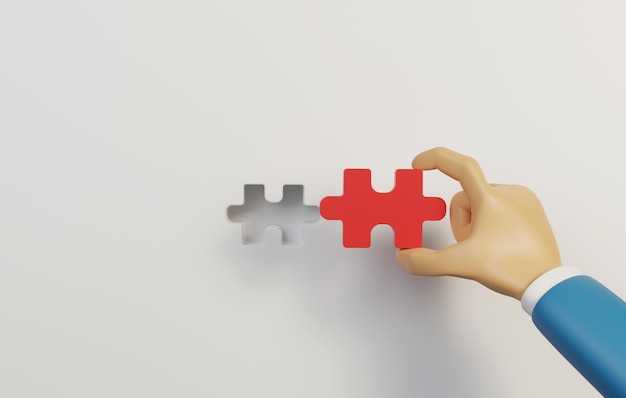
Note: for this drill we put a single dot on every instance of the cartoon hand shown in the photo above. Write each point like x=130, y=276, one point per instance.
x=504, y=238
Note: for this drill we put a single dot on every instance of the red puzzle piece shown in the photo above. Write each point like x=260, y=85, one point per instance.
x=361, y=208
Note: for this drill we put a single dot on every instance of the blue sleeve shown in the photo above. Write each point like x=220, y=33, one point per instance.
x=586, y=322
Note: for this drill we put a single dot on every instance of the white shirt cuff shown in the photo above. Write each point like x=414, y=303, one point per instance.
x=545, y=282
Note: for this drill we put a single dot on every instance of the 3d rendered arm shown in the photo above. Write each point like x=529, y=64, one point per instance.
x=585, y=322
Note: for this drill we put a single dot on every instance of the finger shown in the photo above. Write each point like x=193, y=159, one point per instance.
x=460, y=216
x=462, y=168
x=449, y=261
x=423, y=261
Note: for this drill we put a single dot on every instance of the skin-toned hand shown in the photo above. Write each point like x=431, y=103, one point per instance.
x=504, y=238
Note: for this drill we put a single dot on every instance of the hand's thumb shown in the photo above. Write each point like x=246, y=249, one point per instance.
x=422, y=261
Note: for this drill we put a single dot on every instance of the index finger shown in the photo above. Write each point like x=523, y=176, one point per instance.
x=462, y=168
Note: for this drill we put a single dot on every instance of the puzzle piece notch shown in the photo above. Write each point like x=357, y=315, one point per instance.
x=361, y=208
x=289, y=214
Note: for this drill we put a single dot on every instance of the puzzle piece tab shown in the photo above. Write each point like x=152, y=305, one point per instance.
x=257, y=214
x=361, y=208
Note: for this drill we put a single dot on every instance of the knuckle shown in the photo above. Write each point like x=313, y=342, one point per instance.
x=527, y=191
x=440, y=150
x=470, y=167
x=522, y=189
x=470, y=164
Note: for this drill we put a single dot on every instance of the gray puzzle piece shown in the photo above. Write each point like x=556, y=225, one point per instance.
x=289, y=214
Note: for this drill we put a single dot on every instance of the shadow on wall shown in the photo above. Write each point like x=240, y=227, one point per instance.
x=400, y=319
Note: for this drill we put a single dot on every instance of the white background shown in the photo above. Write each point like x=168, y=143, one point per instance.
x=128, y=127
